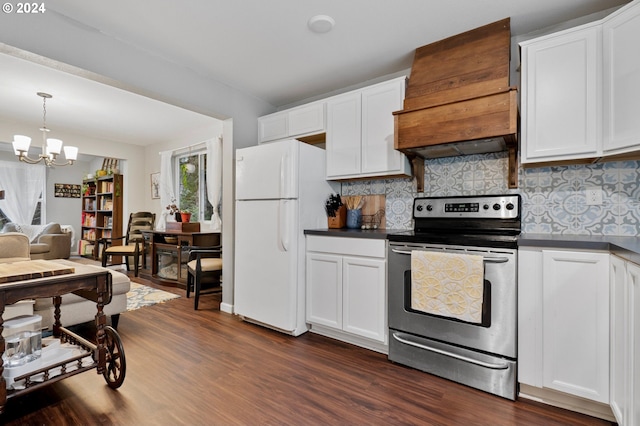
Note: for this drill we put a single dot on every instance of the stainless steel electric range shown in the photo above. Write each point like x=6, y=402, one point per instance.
x=479, y=354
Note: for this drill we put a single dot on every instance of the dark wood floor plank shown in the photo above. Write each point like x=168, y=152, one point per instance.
x=210, y=368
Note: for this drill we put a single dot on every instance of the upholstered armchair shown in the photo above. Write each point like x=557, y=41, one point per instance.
x=49, y=243
x=14, y=247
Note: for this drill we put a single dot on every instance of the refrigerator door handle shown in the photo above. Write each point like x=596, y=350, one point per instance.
x=285, y=189
x=283, y=235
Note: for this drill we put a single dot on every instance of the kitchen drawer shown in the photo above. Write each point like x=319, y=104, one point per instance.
x=349, y=246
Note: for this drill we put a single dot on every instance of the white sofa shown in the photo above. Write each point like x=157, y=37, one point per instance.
x=74, y=309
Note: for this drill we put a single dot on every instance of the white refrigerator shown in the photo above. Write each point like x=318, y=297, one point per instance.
x=280, y=192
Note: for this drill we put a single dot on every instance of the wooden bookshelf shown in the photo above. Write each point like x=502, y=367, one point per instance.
x=101, y=213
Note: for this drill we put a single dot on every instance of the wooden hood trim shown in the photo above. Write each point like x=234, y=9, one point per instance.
x=459, y=91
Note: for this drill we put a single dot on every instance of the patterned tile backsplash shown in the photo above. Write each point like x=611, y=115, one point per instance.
x=553, y=198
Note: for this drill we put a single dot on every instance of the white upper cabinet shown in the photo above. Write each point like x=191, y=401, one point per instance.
x=304, y=120
x=561, y=96
x=360, y=130
x=344, y=118
x=581, y=91
x=621, y=33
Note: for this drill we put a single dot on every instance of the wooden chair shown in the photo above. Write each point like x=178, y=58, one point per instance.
x=204, y=270
x=133, y=240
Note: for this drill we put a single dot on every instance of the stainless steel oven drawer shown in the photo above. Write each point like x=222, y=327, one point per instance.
x=489, y=373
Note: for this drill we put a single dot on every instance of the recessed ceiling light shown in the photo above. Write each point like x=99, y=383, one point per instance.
x=321, y=23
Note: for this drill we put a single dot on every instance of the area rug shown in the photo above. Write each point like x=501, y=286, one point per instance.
x=140, y=296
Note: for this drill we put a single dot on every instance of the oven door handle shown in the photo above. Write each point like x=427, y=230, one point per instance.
x=451, y=354
x=484, y=259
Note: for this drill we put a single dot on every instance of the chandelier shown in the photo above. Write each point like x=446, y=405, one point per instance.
x=51, y=148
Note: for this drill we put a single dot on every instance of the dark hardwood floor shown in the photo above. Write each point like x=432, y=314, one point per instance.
x=210, y=368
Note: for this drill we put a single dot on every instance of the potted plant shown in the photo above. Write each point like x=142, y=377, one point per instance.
x=185, y=215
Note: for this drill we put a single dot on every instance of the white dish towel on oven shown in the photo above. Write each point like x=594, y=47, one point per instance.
x=447, y=284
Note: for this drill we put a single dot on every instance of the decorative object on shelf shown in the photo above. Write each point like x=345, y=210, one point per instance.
x=336, y=211
x=155, y=185
x=111, y=166
x=66, y=190
x=51, y=148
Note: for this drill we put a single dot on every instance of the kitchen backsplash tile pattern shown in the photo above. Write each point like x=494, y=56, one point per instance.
x=553, y=198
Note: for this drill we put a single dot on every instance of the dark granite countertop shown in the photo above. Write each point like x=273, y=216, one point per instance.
x=626, y=247
x=378, y=234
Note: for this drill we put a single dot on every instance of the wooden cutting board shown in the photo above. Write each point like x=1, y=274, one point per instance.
x=372, y=205
x=31, y=269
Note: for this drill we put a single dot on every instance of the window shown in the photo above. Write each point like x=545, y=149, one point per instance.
x=37, y=216
x=192, y=185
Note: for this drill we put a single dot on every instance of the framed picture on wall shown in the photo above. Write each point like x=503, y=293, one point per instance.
x=155, y=185
x=66, y=190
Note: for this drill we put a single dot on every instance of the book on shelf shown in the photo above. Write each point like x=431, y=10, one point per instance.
x=89, y=204
x=89, y=234
x=106, y=204
x=89, y=220
x=106, y=187
x=85, y=248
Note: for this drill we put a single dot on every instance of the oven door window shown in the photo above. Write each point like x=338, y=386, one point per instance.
x=486, y=303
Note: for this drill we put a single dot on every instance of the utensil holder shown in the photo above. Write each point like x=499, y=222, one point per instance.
x=354, y=218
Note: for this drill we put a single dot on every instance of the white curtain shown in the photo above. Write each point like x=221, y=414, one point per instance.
x=214, y=180
x=167, y=196
x=22, y=184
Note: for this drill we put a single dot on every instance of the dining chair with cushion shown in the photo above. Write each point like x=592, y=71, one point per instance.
x=133, y=240
x=204, y=271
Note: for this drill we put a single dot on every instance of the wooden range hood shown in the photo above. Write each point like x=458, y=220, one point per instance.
x=458, y=100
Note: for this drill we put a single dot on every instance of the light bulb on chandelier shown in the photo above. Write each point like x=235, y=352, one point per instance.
x=51, y=148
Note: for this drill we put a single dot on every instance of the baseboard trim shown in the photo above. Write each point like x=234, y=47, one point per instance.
x=566, y=401
x=225, y=307
x=350, y=338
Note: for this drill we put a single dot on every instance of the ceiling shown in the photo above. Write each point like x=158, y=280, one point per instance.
x=262, y=48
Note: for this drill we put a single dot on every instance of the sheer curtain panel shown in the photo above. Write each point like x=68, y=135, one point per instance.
x=214, y=180
x=23, y=185
x=167, y=195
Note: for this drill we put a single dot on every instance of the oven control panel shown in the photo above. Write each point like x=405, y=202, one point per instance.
x=482, y=207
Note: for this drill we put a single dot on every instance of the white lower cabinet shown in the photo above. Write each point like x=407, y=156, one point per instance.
x=633, y=277
x=625, y=341
x=346, y=289
x=563, y=324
